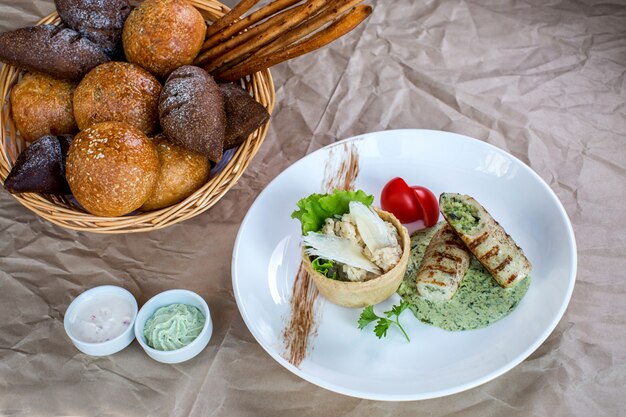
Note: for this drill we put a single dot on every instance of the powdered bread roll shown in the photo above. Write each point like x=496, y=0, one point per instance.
x=118, y=91
x=182, y=172
x=40, y=168
x=162, y=35
x=191, y=109
x=42, y=105
x=62, y=53
x=244, y=114
x=100, y=21
x=112, y=168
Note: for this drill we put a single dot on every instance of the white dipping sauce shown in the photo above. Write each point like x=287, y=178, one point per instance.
x=102, y=318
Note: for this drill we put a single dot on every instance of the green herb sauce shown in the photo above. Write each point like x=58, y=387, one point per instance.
x=478, y=302
x=173, y=326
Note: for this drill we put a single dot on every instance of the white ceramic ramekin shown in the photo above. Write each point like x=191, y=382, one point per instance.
x=164, y=299
x=110, y=346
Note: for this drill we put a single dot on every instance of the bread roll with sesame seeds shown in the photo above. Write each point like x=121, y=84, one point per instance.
x=121, y=92
x=112, y=168
x=182, y=173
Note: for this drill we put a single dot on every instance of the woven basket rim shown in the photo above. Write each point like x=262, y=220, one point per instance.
x=60, y=211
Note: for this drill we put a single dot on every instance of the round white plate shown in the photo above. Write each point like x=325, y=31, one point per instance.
x=436, y=362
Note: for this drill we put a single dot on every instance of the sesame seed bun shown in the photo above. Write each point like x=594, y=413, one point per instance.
x=112, y=168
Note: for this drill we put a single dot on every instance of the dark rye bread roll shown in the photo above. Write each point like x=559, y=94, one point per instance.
x=40, y=168
x=244, y=114
x=191, y=110
x=100, y=21
x=62, y=53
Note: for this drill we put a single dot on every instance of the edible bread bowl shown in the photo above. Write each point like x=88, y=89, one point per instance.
x=361, y=294
x=63, y=209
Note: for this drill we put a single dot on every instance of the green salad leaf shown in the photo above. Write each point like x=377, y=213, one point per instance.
x=325, y=267
x=314, y=209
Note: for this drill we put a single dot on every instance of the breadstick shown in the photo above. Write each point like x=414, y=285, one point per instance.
x=241, y=25
x=236, y=12
x=338, y=28
x=300, y=32
x=230, y=44
x=263, y=34
x=326, y=14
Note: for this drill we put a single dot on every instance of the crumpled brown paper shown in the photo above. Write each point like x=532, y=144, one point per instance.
x=544, y=81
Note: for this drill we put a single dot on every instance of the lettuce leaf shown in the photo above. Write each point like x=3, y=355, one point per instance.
x=325, y=267
x=314, y=209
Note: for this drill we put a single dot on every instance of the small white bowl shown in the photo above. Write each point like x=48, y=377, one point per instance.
x=164, y=299
x=90, y=296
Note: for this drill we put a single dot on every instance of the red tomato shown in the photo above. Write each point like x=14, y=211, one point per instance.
x=400, y=200
x=410, y=204
x=428, y=203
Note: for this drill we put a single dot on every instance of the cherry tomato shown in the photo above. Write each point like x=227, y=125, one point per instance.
x=428, y=203
x=400, y=200
x=410, y=204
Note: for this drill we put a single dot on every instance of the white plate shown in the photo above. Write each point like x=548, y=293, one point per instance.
x=435, y=363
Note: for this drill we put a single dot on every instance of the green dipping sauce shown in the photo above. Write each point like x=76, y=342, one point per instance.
x=173, y=326
x=478, y=302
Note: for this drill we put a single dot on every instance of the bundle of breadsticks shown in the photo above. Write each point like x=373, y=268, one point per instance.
x=238, y=45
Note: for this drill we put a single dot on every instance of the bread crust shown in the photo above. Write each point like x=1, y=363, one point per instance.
x=60, y=52
x=100, y=21
x=181, y=173
x=118, y=91
x=112, y=168
x=162, y=35
x=244, y=114
x=191, y=110
x=42, y=105
x=40, y=168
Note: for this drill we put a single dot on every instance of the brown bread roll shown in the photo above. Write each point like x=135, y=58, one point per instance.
x=118, y=91
x=42, y=105
x=100, y=21
x=112, y=168
x=162, y=35
x=244, y=114
x=191, y=109
x=182, y=172
x=40, y=168
x=62, y=53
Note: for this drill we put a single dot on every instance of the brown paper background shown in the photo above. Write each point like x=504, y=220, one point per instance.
x=544, y=80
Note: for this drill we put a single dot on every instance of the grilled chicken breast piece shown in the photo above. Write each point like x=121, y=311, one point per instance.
x=485, y=238
x=444, y=265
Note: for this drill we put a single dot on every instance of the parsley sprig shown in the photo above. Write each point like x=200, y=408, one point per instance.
x=382, y=323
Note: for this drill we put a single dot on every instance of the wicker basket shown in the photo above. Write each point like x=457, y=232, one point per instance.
x=61, y=211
